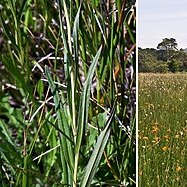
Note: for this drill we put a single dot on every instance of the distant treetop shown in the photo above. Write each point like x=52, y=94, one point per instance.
x=166, y=58
x=168, y=44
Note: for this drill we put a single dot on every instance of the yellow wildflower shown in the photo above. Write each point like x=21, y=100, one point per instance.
x=156, y=139
x=178, y=168
x=155, y=129
x=166, y=137
x=177, y=136
x=165, y=148
x=145, y=138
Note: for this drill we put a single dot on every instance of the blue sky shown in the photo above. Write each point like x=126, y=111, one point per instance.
x=158, y=19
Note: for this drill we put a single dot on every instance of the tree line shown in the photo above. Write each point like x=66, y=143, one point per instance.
x=166, y=58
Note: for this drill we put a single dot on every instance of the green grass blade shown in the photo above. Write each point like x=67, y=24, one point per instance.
x=68, y=25
x=83, y=114
x=75, y=34
x=25, y=178
x=93, y=163
x=83, y=110
x=66, y=145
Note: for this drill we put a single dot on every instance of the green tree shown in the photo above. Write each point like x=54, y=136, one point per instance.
x=161, y=67
x=174, y=65
x=168, y=44
x=147, y=60
x=166, y=49
x=163, y=59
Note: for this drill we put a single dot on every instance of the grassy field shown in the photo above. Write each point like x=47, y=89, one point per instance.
x=162, y=130
x=65, y=99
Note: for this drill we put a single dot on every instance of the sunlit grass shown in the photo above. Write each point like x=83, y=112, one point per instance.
x=162, y=130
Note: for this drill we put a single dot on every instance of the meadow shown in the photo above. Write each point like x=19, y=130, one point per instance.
x=162, y=130
x=65, y=101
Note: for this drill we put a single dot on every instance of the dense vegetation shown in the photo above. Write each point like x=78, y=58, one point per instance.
x=67, y=102
x=166, y=58
x=162, y=130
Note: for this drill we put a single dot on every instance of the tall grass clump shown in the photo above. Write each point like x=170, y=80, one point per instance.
x=67, y=102
x=162, y=130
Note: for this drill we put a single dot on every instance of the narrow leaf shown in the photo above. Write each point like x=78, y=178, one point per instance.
x=84, y=104
x=97, y=153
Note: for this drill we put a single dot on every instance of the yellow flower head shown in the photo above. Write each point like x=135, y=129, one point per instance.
x=155, y=129
x=165, y=148
x=178, y=168
x=145, y=138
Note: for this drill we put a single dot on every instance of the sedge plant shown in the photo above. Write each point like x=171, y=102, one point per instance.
x=63, y=102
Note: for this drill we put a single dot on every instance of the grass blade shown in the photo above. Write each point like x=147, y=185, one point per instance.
x=97, y=152
x=83, y=109
x=66, y=145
